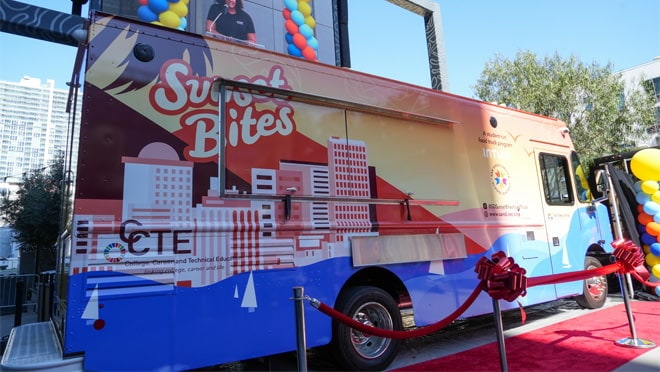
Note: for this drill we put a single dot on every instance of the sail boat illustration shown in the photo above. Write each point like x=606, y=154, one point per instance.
x=249, y=295
x=91, y=311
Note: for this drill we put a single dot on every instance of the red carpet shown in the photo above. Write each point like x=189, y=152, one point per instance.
x=585, y=343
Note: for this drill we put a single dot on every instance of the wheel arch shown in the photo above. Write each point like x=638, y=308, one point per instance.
x=383, y=279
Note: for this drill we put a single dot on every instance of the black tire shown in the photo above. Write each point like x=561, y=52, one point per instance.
x=353, y=349
x=595, y=288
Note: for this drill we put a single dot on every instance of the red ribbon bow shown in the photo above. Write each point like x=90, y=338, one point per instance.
x=630, y=258
x=503, y=279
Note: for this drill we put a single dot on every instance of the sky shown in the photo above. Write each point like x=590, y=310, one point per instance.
x=389, y=41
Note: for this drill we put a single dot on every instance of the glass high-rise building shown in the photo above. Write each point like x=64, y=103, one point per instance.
x=34, y=126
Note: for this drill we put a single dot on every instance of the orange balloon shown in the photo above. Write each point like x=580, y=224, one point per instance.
x=653, y=228
x=291, y=27
x=644, y=218
x=309, y=53
x=286, y=13
x=299, y=41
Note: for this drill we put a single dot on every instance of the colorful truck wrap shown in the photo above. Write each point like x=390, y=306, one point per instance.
x=214, y=177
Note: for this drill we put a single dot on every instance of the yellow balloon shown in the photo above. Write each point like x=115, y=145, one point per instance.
x=656, y=197
x=169, y=19
x=179, y=8
x=650, y=187
x=645, y=164
x=652, y=260
x=304, y=8
x=310, y=21
x=656, y=270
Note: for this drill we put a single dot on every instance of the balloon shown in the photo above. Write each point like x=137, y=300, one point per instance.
x=183, y=23
x=143, y=2
x=645, y=164
x=299, y=41
x=650, y=186
x=656, y=270
x=288, y=37
x=647, y=238
x=158, y=6
x=286, y=13
x=179, y=8
x=656, y=217
x=145, y=14
x=297, y=17
x=642, y=197
x=291, y=5
x=310, y=21
x=644, y=218
x=656, y=197
x=291, y=27
x=169, y=19
x=637, y=186
x=309, y=53
x=306, y=31
x=304, y=8
x=652, y=260
x=651, y=207
x=653, y=228
x=294, y=51
x=655, y=249
x=313, y=43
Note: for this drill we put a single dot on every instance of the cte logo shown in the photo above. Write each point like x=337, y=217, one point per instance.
x=133, y=236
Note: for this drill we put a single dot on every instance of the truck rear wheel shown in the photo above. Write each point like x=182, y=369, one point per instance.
x=595, y=288
x=360, y=351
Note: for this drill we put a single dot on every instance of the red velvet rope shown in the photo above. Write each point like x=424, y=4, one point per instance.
x=417, y=332
x=503, y=279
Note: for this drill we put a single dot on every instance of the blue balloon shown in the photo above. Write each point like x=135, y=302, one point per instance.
x=145, y=14
x=656, y=217
x=297, y=17
x=648, y=239
x=158, y=6
x=291, y=4
x=642, y=197
x=183, y=23
x=652, y=208
x=655, y=249
x=294, y=51
x=637, y=186
x=306, y=31
x=289, y=38
x=312, y=42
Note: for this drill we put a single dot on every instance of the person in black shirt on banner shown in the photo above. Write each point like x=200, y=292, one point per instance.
x=227, y=17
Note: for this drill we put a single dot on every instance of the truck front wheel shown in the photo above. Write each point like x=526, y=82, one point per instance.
x=356, y=350
x=595, y=288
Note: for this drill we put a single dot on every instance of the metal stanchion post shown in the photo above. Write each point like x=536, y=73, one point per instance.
x=298, y=299
x=632, y=341
x=497, y=313
x=623, y=283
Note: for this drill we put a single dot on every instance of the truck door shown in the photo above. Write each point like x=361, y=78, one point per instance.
x=562, y=221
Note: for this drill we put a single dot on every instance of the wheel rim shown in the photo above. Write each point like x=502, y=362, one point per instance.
x=376, y=315
x=595, y=286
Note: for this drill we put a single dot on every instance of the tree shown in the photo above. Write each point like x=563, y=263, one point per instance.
x=602, y=117
x=34, y=214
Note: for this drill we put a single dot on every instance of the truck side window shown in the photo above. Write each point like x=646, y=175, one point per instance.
x=556, y=179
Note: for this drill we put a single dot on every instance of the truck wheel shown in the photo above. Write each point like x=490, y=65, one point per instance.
x=360, y=351
x=595, y=288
